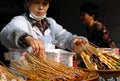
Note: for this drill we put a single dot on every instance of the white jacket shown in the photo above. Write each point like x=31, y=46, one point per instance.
x=20, y=24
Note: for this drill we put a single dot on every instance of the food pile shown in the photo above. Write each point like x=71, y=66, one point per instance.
x=5, y=75
x=95, y=59
x=45, y=69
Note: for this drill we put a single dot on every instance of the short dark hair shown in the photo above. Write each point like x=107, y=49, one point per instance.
x=90, y=8
x=38, y=0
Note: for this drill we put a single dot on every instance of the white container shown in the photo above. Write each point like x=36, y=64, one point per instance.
x=61, y=56
x=114, y=51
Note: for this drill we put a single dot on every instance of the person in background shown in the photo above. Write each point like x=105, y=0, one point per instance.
x=97, y=33
x=33, y=31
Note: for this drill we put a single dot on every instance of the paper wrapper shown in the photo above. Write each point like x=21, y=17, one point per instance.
x=114, y=51
x=61, y=56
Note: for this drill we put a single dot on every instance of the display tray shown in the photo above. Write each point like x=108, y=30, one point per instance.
x=109, y=72
x=106, y=72
x=88, y=76
x=93, y=77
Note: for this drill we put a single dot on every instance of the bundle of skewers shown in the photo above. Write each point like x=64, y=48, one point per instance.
x=46, y=69
x=96, y=59
x=6, y=75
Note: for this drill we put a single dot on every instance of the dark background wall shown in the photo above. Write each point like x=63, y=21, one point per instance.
x=109, y=16
x=66, y=13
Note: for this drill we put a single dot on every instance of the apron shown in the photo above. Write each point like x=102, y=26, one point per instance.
x=46, y=38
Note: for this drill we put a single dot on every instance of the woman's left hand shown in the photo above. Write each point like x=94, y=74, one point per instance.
x=79, y=41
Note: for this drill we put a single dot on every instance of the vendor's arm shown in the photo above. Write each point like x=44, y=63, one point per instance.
x=15, y=36
x=66, y=39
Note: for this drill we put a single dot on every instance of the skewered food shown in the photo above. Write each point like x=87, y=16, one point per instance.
x=46, y=69
x=5, y=75
x=95, y=59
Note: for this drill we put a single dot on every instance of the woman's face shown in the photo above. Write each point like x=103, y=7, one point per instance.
x=39, y=7
x=86, y=18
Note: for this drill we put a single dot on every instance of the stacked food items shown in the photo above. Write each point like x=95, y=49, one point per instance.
x=95, y=59
x=45, y=69
x=5, y=75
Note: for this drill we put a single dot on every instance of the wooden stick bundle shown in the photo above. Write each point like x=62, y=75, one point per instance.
x=45, y=68
x=85, y=51
x=9, y=76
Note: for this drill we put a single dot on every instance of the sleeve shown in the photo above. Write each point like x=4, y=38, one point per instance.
x=11, y=33
x=62, y=36
x=106, y=36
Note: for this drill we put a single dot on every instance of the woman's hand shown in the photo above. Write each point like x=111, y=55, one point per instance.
x=79, y=41
x=37, y=46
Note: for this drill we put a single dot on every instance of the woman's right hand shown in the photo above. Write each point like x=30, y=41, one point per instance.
x=37, y=46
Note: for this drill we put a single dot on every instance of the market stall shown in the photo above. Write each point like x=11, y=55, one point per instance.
x=105, y=62
x=97, y=64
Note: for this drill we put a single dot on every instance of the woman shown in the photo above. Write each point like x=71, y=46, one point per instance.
x=97, y=33
x=34, y=32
